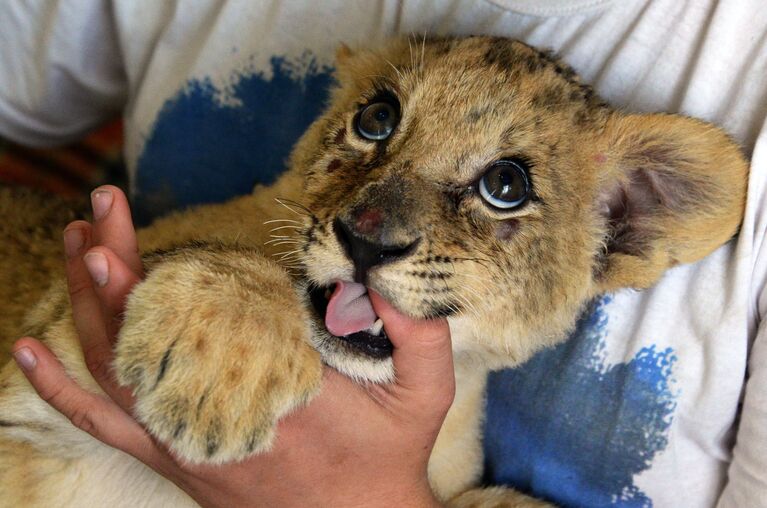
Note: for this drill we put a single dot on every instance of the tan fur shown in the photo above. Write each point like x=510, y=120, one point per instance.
x=31, y=254
x=216, y=341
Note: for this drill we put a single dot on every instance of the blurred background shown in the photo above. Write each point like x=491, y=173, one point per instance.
x=70, y=171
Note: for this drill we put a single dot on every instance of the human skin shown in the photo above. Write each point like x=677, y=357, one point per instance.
x=351, y=445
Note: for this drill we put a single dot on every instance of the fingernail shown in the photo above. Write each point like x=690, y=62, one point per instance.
x=101, y=201
x=74, y=239
x=97, y=266
x=25, y=358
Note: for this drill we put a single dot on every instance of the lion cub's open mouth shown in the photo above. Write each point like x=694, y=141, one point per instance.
x=349, y=316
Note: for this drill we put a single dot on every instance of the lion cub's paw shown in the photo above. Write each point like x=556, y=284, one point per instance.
x=216, y=347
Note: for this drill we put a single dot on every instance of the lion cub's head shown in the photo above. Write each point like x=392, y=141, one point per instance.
x=479, y=179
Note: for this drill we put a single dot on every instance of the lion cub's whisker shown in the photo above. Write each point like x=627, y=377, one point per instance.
x=293, y=205
x=282, y=243
x=286, y=227
x=289, y=253
x=275, y=242
x=282, y=220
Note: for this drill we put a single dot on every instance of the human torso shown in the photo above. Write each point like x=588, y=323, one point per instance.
x=643, y=406
x=647, y=390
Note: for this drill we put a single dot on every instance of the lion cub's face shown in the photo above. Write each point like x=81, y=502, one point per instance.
x=476, y=179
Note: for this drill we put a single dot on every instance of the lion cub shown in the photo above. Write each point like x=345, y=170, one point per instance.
x=478, y=180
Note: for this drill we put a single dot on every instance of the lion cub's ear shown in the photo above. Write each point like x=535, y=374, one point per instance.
x=343, y=53
x=354, y=64
x=351, y=64
x=674, y=190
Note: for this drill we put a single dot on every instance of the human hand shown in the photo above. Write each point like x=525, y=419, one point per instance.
x=352, y=445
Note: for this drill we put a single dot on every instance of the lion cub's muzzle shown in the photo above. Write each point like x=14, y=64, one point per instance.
x=368, y=240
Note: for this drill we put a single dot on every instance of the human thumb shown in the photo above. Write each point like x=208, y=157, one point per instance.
x=423, y=356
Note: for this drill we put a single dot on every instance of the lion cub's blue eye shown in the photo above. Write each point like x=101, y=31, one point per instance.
x=377, y=121
x=505, y=184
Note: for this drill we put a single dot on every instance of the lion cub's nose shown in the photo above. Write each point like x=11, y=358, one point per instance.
x=365, y=253
x=369, y=222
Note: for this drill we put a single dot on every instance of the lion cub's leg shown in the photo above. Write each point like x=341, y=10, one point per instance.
x=215, y=343
x=455, y=466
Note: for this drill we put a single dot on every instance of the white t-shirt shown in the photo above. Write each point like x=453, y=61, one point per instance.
x=643, y=404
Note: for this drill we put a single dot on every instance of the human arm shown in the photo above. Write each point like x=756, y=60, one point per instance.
x=61, y=70
x=747, y=473
x=351, y=443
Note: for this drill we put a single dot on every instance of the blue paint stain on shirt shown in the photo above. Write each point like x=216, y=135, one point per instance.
x=567, y=427
x=201, y=150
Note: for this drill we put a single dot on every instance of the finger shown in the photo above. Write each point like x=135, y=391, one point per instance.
x=423, y=356
x=113, y=281
x=86, y=307
x=94, y=414
x=113, y=226
x=88, y=312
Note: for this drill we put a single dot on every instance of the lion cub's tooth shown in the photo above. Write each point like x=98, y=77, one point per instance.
x=377, y=327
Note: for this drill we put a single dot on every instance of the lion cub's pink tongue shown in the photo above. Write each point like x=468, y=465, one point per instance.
x=349, y=310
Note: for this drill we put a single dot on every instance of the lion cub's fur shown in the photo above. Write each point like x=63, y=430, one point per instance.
x=219, y=341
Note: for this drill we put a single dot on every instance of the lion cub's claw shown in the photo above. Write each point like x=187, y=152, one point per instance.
x=215, y=345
